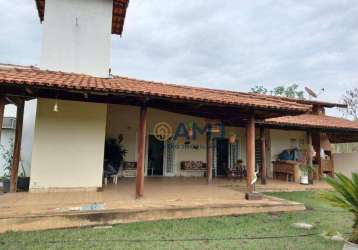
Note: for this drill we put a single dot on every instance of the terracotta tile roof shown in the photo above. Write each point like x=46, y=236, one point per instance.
x=116, y=84
x=314, y=121
x=316, y=102
x=118, y=14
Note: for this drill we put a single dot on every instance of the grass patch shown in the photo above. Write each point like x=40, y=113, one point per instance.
x=158, y=235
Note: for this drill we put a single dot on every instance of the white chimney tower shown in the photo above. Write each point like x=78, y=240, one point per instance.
x=77, y=36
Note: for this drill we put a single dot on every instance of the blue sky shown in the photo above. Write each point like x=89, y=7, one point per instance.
x=220, y=44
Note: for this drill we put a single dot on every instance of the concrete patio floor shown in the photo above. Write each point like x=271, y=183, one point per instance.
x=164, y=198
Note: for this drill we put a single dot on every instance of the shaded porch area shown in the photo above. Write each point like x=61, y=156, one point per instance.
x=166, y=198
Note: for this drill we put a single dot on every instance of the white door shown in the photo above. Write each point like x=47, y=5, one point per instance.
x=234, y=153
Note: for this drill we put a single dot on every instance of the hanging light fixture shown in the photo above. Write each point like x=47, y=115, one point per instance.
x=55, y=106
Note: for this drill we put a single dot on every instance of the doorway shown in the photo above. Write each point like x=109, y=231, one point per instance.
x=155, y=156
x=222, y=156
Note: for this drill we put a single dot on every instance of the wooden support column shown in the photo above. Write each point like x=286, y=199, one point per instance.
x=209, y=160
x=309, y=148
x=17, y=145
x=250, y=153
x=263, y=156
x=316, y=141
x=2, y=108
x=141, y=152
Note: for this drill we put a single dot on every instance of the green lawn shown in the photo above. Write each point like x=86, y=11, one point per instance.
x=241, y=232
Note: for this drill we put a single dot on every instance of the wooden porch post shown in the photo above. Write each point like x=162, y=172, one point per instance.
x=250, y=152
x=141, y=152
x=316, y=141
x=209, y=158
x=263, y=156
x=17, y=145
x=309, y=150
x=2, y=108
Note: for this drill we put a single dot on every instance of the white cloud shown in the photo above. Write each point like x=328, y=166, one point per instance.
x=221, y=44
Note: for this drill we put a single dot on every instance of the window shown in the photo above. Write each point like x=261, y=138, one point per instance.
x=9, y=123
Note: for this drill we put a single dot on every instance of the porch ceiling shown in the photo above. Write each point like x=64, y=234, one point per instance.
x=342, y=137
x=334, y=135
x=231, y=107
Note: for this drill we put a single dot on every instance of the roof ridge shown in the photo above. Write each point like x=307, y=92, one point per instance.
x=257, y=95
x=36, y=76
x=236, y=93
x=336, y=104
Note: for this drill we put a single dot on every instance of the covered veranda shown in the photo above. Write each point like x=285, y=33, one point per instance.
x=321, y=131
x=231, y=108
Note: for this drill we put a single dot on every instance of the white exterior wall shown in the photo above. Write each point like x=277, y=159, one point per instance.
x=77, y=36
x=68, y=145
x=346, y=163
x=124, y=120
x=281, y=140
x=28, y=134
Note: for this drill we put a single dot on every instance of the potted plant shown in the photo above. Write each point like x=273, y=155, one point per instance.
x=304, y=175
x=23, y=181
x=345, y=195
x=6, y=184
x=114, y=152
x=307, y=173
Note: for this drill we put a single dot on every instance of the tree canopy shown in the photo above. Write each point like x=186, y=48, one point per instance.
x=350, y=98
x=291, y=91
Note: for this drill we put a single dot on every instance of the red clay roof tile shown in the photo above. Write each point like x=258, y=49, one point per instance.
x=314, y=121
x=36, y=77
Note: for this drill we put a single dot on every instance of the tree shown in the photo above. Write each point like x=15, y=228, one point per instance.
x=259, y=89
x=291, y=91
x=350, y=98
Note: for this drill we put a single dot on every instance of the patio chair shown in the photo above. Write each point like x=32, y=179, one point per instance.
x=242, y=171
x=111, y=173
x=238, y=171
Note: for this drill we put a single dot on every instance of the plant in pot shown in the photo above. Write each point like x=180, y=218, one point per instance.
x=114, y=152
x=307, y=172
x=304, y=175
x=23, y=181
x=345, y=195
